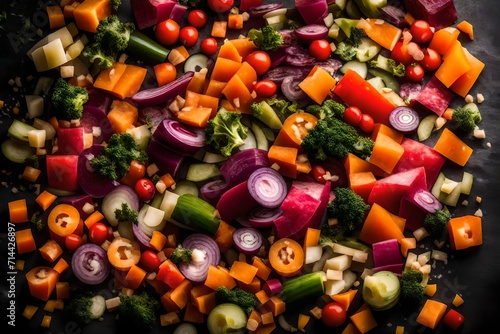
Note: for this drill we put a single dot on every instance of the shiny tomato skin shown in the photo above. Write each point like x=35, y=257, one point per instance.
x=453, y=319
x=318, y=173
x=145, y=189
x=421, y=31
x=333, y=314
x=188, y=36
x=167, y=32
x=432, y=59
x=149, y=261
x=209, y=46
x=320, y=49
x=73, y=241
x=265, y=88
x=260, y=61
x=220, y=6
x=414, y=72
x=197, y=18
x=98, y=233
x=353, y=115
x=400, y=54
x=367, y=123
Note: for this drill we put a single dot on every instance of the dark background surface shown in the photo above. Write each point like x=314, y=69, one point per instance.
x=472, y=273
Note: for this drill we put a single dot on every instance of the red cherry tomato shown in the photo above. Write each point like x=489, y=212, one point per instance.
x=421, y=31
x=188, y=36
x=414, y=72
x=367, y=123
x=73, y=241
x=149, y=261
x=98, y=233
x=265, y=88
x=318, y=172
x=352, y=115
x=220, y=6
x=400, y=54
x=167, y=32
x=432, y=59
x=209, y=46
x=333, y=314
x=145, y=189
x=197, y=18
x=453, y=319
x=320, y=49
x=260, y=61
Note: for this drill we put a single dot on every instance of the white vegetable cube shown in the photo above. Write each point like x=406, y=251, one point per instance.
x=36, y=138
x=55, y=53
x=64, y=34
x=349, y=277
x=141, y=134
x=35, y=105
x=40, y=60
x=334, y=287
x=341, y=262
x=334, y=275
x=40, y=124
x=67, y=71
x=410, y=258
x=424, y=258
x=75, y=49
x=153, y=217
x=313, y=254
x=168, y=203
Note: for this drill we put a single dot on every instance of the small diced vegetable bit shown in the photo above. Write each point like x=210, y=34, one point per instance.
x=18, y=211
x=29, y=311
x=85, y=306
x=46, y=320
x=56, y=17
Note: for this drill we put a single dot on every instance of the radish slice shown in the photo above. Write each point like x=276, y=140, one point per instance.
x=247, y=240
x=404, y=119
x=311, y=32
x=267, y=187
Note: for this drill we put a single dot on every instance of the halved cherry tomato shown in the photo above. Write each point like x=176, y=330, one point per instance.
x=188, y=36
x=145, y=189
x=260, y=61
x=135, y=172
x=333, y=314
x=73, y=241
x=414, y=72
x=167, y=32
x=367, y=123
x=318, y=172
x=400, y=54
x=197, y=18
x=149, y=261
x=432, y=59
x=123, y=253
x=265, y=88
x=352, y=115
x=320, y=49
x=421, y=31
x=209, y=46
x=220, y=6
x=98, y=233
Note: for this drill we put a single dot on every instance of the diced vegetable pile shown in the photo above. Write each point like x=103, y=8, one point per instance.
x=226, y=164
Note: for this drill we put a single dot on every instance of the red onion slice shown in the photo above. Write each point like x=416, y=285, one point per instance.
x=247, y=240
x=260, y=217
x=240, y=165
x=92, y=183
x=263, y=9
x=206, y=252
x=142, y=238
x=155, y=96
x=90, y=264
x=181, y=138
x=404, y=119
x=290, y=88
x=93, y=117
x=311, y=32
x=424, y=199
x=167, y=160
x=267, y=187
x=213, y=190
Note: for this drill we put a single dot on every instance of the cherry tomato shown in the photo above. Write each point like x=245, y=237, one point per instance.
x=220, y=6
x=414, y=72
x=320, y=49
x=432, y=59
x=265, y=88
x=260, y=61
x=333, y=314
x=453, y=319
x=135, y=172
x=145, y=189
x=197, y=18
x=188, y=36
x=149, y=261
x=352, y=115
x=73, y=241
x=167, y=32
x=367, y=123
x=421, y=31
x=318, y=172
x=209, y=46
x=400, y=54
x=98, y=233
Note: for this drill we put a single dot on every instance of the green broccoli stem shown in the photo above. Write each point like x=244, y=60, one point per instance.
x=146, y=48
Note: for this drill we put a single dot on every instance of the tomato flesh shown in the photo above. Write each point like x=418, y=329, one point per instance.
x=432, y=59
x=333, y=314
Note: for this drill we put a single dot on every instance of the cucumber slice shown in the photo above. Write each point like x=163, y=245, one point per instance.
x=381, y=290
x=195, y=213
x=211, y=157
x=195, y=62
x=367, y=49
x=389, y=80
x=377, y=82
x=260, y=137
x=467, y=180
x=185, y=187
x=250, y=141
x=17, y=151
x=426, y=127
x=199, y=172
x=346, y=24
x=357, y=66
x=19, y=130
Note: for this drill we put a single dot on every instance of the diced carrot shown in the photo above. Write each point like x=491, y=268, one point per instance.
x=93, y=218
x=18, y=211
x=130, y=81
x=29, y=311
x=454, y=64
x=62, y=290
x=407, y=244
x=253, y=287
x=379, y=226
x=235, y=21
x=443, y=39
x=386, y=152
x=247, y=74
x=108, y=78
x=224, y=69
x=318, y=84
x=158, y=240
x=122, y=116
x=218, y=277
x=238, y=94
x=263, y=271
x=465, y=232
x=244, y=45
x=312, y=237
x=364, y=320
x=457, y=300
x=229, y=51
x=430, y=289
x=56, y=17
x=25, y=241
x=224, y=236
x=164, y=73
x=215, y=87
x=284, y=159
x=205, y=303
x=45, y=199
x=362, y=183
x=262, y=296
x=464, y=83
x=61, y=265
x=194, y=116
x=219, y=29
x=178, y=55
x=275, y=304
x=169, y=318
x=88, y=14
x=46, y=320
x=135, y=276
x=42, y=281
x=382, y=32
x=345, y=298
x=69, y=10
x=431, y=313
x=466, y=27
x=167, y=302
x=180, y=295
x=193, y=315
x=380, y=127
x=31, y=174
x=51, y=250
x=254, y=321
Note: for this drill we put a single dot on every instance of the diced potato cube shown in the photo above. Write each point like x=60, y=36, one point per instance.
x=54, y=53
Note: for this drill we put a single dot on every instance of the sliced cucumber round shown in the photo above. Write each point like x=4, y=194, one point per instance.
x=17, y=151
x=195, y=62
x=381, y=290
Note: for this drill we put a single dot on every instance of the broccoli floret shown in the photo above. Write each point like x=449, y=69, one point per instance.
x=138, y=310
x=85, y=306
x=225, y=131
x=115, y=4
x=112, y=36
x=181, y=255
x=266, y=38
x=190, y=3
x=356, y=35
x=115, y=159
x=348, y=48
x=336, y=138
x=327, y=110
x=126, y=214
x=68, y=100
x=412, y=290
x=398, y=70
x=348, y=208
x=466, y=118
x=246, y=300
x=37, y=222
x=435, y=223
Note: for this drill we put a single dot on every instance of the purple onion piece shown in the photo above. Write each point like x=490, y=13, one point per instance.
x=311, y=32
x=290, y=88
x=410, y=90
x=425, y=200
x=240, y=165
x=167, y=160
x=279, y=73
x=155, y=96
x=92, y=183
x=99, y=99
x=267, y=187
x=289, y=37
x=247, y=240
x=178, y=12
x=330, y=65
x=206, y=252
x=404, y=119
x=95, y=117
x=78, y=201
x=393, y=15
x=261, y=217
x=278, y=57
x=90, y=264
x=142, y=238
x=181, y=138
x=153, y=115
x=263, y=9
x=213, y=190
